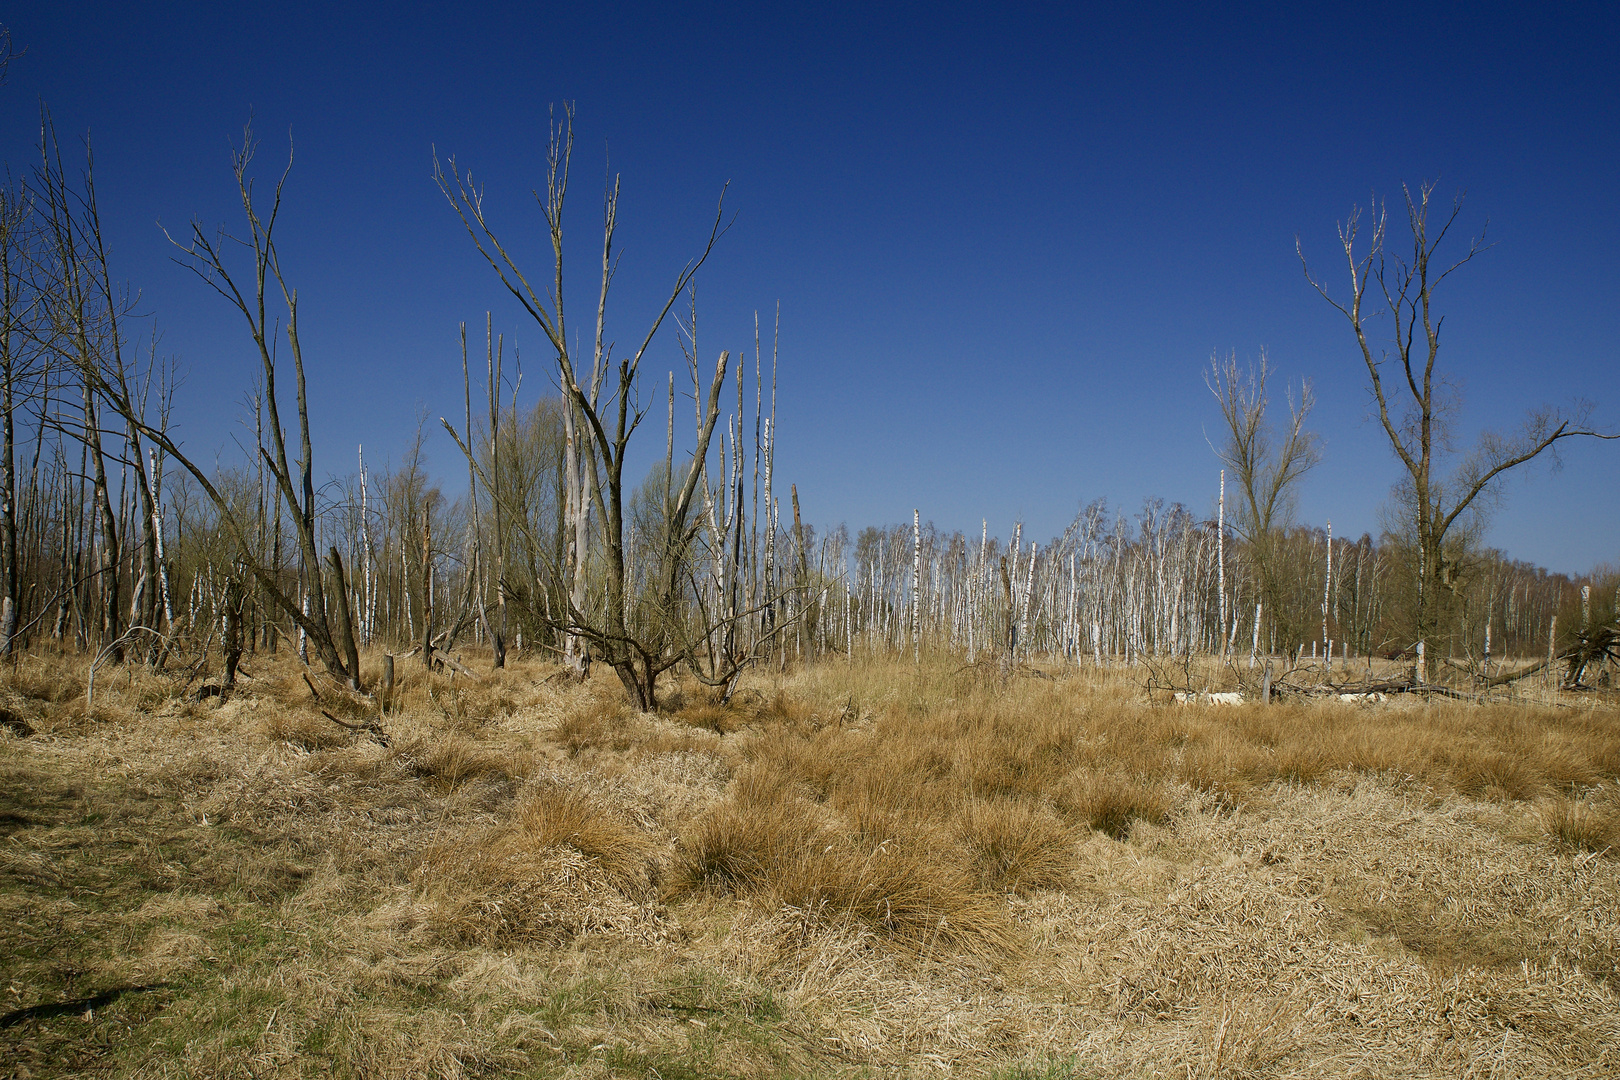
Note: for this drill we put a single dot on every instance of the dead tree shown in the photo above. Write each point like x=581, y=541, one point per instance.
x=582, y=483
x=230, y=636
x=637, y=637
x=18, y=312
x=1414, y=410
x=84, y=331
x=205, y=256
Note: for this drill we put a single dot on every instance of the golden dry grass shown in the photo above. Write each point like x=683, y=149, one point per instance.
x=851, y=869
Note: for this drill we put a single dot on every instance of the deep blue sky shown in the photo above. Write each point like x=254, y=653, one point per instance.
x=1005, y=241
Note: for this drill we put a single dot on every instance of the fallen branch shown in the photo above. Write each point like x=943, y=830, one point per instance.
x=370, y=726
x=455, y=665
x=129, y=636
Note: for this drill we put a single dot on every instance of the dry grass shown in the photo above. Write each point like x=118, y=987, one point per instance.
x=562, y=865
x=1110, y=803
x=768, y=841
x=1017, y=847
x=1581, y=824
x=846, y=870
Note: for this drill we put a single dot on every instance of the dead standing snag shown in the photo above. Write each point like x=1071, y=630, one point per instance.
x=636, y=636
x=205, y=256
x=1414, y=410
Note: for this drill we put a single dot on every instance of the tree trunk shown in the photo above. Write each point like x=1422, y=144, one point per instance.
x=385, y=693
x=497, y=633
x=231, y=631
x=427, y=589
x=110, y=625
x=639, y=681
x=9, y=586
x=345, y=620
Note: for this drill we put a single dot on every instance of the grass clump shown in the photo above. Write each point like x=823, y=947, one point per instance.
x=1111, y=803
x=450, y=760
x=1017, y=847
x=564, y=864
x=766, y=840
x=303, y=730
x=555, y=815
x=1578, y=824
x=601, y=724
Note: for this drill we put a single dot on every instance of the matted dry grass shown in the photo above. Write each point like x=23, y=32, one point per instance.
x=847, y=870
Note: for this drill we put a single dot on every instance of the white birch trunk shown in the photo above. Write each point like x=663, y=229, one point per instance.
x=367, y=615
x=1029, y=590
x=1254, y=647
x=1327, y=591
x=916, y=586
x=157, y=536
x=1552, y=648
x=1220, y=560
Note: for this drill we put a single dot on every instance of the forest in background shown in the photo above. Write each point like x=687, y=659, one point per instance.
x=115, y=542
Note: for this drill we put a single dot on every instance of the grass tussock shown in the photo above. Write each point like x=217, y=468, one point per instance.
x=1111, y=803
x=1017, y=847
x=564, y=864
x=451, y=760
x=709, y=716
x=1581, y=824
x=304, y=730
x=556, y=815
x=50, y=680
x=600, y=724
x=768, y=841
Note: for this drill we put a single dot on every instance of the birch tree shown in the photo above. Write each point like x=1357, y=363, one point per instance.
x=251, y=296
x=1266, y=469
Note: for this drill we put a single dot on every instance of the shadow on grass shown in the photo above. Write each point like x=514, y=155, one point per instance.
x=76, y=1007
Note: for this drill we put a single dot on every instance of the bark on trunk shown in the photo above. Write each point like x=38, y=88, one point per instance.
x=345, y=620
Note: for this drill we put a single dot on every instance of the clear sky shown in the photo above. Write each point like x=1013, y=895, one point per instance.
x=1005, y=240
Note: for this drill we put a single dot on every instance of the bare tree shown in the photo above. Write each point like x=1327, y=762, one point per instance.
x=84, y=330
x=1415, y=411
x=1267, y=471
x=7, y=53
x=18, y=310
x=582, y=443
x=636, y=635
x=206, y=256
